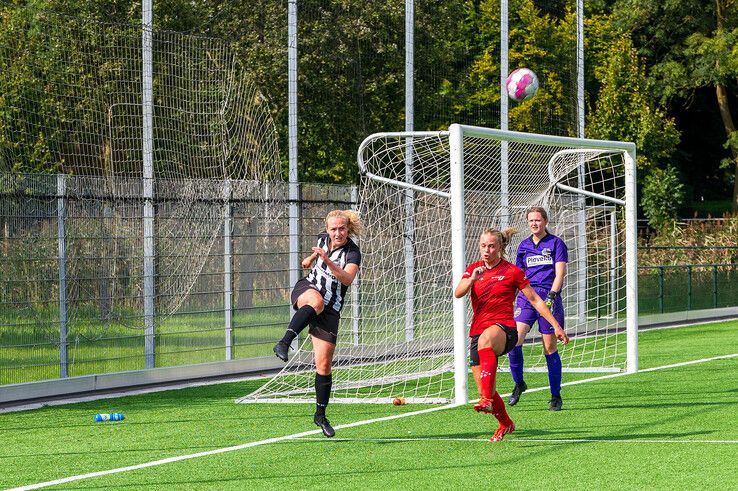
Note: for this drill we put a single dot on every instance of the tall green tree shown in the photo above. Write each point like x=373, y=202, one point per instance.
x=662, y=193
x=624, y=112
x=690, y=44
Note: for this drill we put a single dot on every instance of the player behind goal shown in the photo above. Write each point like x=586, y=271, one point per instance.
x=543, y=257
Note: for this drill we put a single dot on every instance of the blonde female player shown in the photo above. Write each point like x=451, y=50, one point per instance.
x=494, y=283
x=318, y=299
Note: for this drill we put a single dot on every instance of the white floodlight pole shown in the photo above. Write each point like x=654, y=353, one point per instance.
x=294, y=185
x=409, y=193
x=148, y=182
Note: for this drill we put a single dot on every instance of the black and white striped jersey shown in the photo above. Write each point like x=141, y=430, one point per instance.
x=332, y=290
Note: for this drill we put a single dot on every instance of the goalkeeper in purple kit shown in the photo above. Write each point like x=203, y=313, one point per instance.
x=543, y=257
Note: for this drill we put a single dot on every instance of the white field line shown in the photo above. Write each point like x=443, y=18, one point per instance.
x=352, y=425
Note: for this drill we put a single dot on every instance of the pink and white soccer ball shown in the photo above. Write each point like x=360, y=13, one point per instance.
x=522, y=84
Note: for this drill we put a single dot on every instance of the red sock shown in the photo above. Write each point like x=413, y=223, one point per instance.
x=488, y=366
x=499, y=411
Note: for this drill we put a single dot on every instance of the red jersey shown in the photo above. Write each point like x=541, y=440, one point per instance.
x=493, y=295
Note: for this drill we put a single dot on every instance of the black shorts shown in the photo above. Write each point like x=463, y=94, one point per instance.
x=301, y=287
x=511, y=335
x=325, y=325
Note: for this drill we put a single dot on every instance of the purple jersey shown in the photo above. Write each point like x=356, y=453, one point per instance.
x=538, y=260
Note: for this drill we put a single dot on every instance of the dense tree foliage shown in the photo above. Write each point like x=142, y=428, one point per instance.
x=662, y=194
x=690, y=45
x=643, y=58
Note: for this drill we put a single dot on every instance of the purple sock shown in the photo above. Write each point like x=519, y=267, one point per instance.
x=554, y=373
x=516, y=364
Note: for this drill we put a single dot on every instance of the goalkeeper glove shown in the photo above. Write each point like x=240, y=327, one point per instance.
x=550, y=300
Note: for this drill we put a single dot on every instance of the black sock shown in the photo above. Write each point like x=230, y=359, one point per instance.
x=302, y=318
x=323, y=384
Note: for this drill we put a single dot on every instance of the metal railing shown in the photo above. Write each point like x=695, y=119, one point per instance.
x=672, y=288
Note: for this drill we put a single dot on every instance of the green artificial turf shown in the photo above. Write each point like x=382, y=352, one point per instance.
x=670, y=428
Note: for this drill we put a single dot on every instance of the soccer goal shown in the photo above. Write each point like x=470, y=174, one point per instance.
x=424, y=199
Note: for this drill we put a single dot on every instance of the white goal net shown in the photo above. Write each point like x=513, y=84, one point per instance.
x=424, y=199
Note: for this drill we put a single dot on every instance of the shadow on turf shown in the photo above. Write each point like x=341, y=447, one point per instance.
x=520, y=434
x=294, y=480
x=569, y=434
x=96, y=452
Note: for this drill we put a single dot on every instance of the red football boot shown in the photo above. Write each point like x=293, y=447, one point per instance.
x=483, y=406
x=502, y=431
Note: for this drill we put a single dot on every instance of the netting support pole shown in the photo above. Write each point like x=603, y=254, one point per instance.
x=631, y=263
x=504, y=68
x=580, y=68
x=581, y=242
x=355, y=289
x=148, y=183
x=294, y=186
x=61, y=212
x=458, y=261
x=582, y=214
x=227, y=270
x=613, y=263
x=409, y=193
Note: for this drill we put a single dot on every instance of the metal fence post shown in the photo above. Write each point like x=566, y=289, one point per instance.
x=714, y=286
x=149, y=278
x=294, y=184
x=661, y=289
x=689, y=287
x=227, y=271
x=60, y=217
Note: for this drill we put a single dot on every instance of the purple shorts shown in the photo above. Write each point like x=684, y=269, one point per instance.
x=527, y=314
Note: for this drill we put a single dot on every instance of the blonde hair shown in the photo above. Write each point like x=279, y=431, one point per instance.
x=503, y=237
x=353, y=222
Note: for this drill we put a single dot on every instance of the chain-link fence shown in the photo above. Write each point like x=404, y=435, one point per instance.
x=72, y=289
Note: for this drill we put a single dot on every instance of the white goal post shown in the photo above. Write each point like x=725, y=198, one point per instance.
x=424, y=199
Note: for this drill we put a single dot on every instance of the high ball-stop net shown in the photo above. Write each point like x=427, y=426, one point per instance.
x=213, y=146
x=407, y=339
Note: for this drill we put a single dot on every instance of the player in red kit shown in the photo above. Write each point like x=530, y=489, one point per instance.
x=494, y=283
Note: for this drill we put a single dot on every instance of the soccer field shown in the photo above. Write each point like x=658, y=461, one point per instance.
x=670, y=426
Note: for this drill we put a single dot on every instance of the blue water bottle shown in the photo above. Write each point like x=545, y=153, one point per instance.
x=100, y=417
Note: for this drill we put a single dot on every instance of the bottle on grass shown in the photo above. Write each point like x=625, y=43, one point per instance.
x=101, y=417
